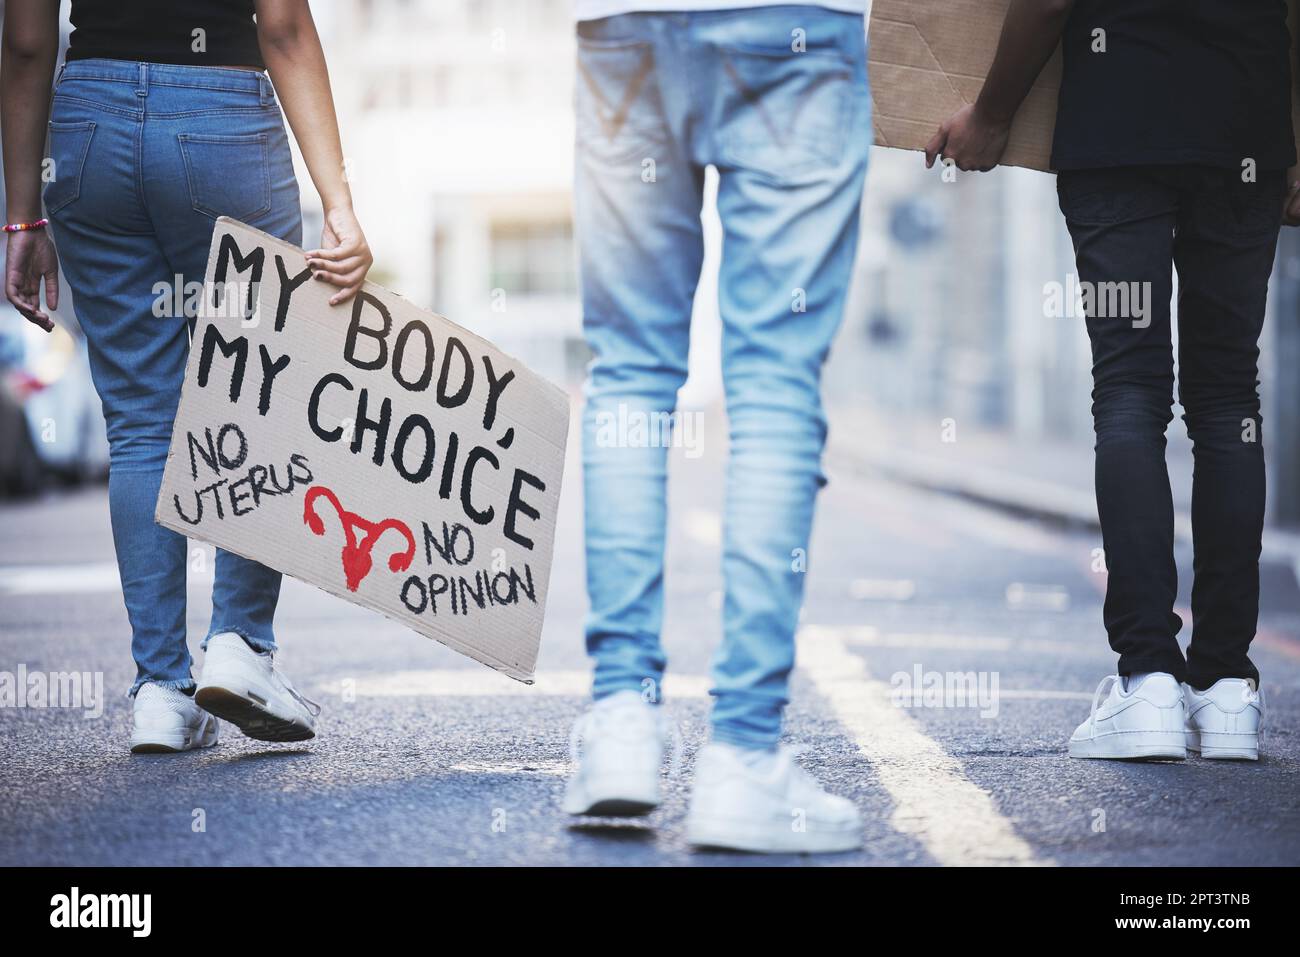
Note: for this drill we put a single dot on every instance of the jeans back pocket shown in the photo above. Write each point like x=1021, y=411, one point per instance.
x=784, y=113
x=69, y=144
x=619, y=111
x=228, y=174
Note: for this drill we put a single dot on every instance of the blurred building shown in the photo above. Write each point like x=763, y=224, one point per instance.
x=458, y=127
x=947, y=316
x=458, y=131
x=1280, y=371
x=948, y=320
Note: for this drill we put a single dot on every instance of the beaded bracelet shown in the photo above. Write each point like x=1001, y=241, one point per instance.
x=21, y=227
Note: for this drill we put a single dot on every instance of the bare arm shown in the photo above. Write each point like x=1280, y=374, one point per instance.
x=292, y=51
x=30, y=48
x=975, y=137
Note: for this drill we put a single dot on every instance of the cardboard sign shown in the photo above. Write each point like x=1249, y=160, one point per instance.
x=929, y=58
x=373, y=449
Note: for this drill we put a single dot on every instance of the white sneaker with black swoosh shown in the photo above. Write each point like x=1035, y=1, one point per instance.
x=1143, y=721
x=242, y=686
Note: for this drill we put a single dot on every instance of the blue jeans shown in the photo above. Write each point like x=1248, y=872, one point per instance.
x=146, y=156
x=659, y=98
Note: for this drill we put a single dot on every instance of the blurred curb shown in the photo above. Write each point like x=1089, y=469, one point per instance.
x=1023, y=494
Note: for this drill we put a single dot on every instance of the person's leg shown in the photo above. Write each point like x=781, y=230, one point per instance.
x=1227, y=236
x=212, y=152
x=1122, y=224
x=637, y=199
x=790, y=132
x=111, y=258
x=215, y=144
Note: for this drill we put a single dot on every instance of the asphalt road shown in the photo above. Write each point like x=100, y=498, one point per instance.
x=424, y=757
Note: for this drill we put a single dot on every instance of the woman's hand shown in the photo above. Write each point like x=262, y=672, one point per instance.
x=344, y=257
x=30, y=262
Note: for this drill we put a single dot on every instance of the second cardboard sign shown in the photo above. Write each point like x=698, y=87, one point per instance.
x=929, y=58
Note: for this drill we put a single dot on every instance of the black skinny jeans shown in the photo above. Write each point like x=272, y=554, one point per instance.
x=1129, y=226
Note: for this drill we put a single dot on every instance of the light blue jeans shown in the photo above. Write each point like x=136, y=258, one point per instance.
x=776, y=99
x=146, y=157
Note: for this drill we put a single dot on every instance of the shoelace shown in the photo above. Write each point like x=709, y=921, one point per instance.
x=1103, y=691
x=312, y=707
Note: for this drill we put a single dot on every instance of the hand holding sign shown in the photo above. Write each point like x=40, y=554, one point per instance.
x=373, y=449
x=344, y=256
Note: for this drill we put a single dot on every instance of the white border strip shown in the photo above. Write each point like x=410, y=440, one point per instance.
x=934, y=801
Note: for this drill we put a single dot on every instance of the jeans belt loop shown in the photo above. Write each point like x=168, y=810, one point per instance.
x=142, y=87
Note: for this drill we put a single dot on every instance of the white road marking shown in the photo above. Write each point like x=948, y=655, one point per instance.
x=1044, y=694
x=59, y=579
x=882, y=589
x=480, y=682
x=470, y=682
x=704, y=527
x=956, y=821
x=935, y=802
x=871, y=637
x=1023, y=596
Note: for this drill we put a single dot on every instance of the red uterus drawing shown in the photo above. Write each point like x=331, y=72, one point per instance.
x=356, y=554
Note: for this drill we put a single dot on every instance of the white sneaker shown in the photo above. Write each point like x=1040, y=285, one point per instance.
x=616, y=769
x=764, y=802
x=166, y=720
x=1224, y=720
x=1144, y=721
x=242, y=686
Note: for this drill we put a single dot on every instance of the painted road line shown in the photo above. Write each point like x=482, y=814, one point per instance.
x=870, y=637
x=704, y=527
x=82, y=577
x=471, y=683
x=1025, y=596
x=479, y=682
x=955, y=820
x=882, y=589
x=1043, y=694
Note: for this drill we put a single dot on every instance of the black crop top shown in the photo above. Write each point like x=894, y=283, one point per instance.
x=193, y=32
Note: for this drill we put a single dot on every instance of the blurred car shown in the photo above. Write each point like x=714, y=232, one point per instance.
x=51, y=422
